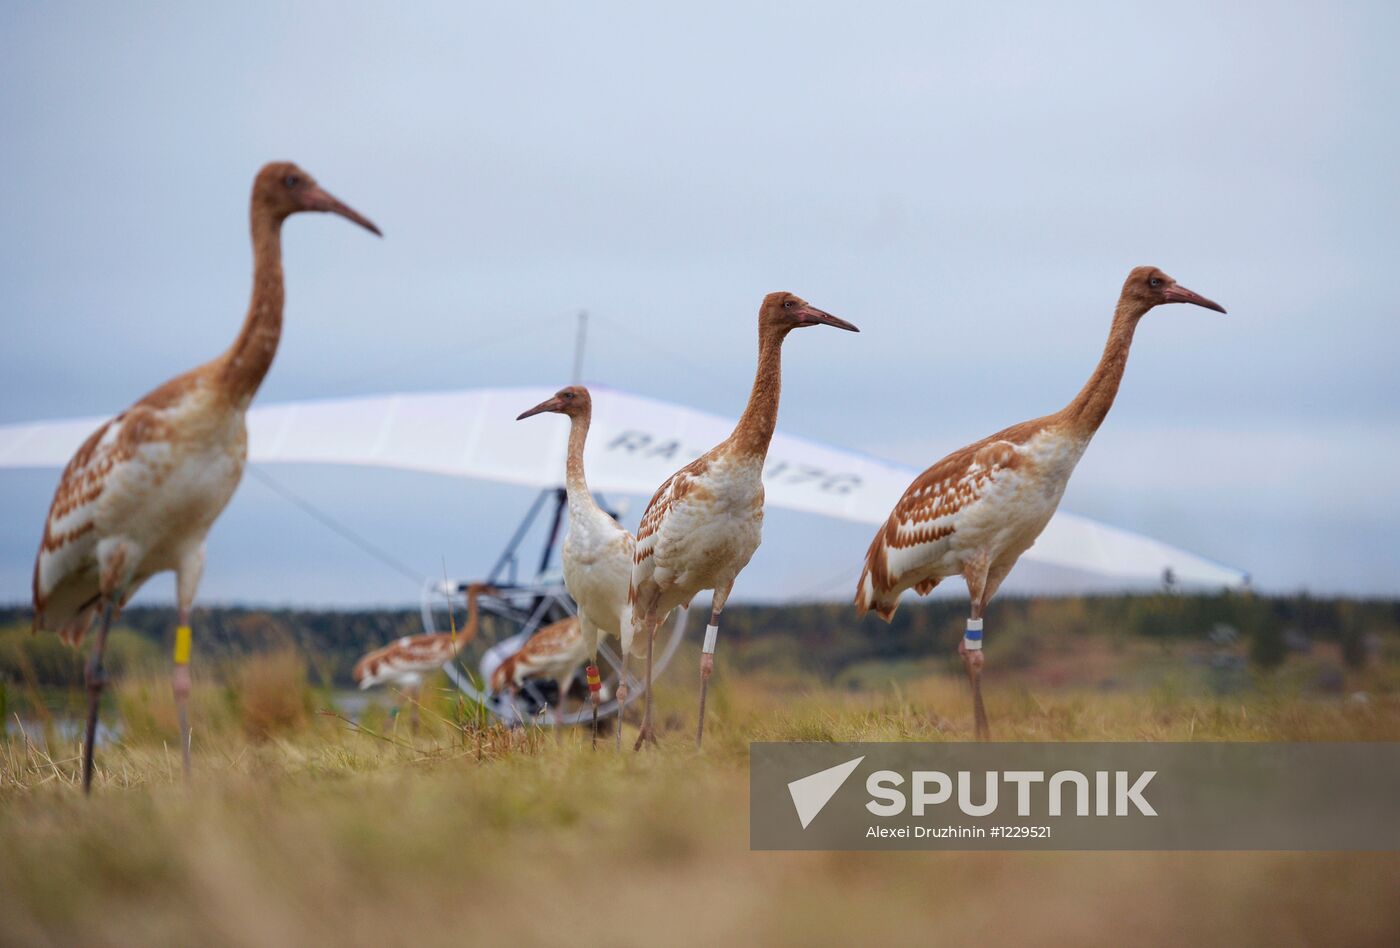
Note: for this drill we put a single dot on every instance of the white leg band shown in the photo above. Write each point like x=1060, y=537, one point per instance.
x=972, y=638
x=711, y=634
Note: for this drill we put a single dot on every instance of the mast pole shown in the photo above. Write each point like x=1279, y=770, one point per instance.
x=580, y=339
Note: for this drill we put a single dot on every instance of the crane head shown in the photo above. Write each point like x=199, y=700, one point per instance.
x=282, y=189
x=1151, y=287
x=789, y=311
x=572, y=400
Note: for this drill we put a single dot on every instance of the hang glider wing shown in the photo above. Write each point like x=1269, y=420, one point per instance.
x=634, y=444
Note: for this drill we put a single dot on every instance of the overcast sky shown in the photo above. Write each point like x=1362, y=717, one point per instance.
x=969, y=183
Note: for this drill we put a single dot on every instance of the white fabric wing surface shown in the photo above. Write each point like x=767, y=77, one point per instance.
x=634, y=444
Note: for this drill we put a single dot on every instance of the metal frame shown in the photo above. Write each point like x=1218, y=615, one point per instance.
x=529, y=606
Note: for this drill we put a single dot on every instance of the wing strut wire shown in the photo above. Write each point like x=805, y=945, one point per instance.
x=316, y=513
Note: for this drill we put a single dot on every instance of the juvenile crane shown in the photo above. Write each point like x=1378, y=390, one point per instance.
x=976, y=511
x=404, y=663
x=705, y=522
x=554, y=652
x=597, y=552
x=140, y=494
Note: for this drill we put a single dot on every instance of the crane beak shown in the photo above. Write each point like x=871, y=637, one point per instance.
x=320, y=200
x=811, y=315
x=549, y=404
x=1180, y=294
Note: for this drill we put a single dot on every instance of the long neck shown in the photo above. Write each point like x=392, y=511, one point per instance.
x=246, y=362
x=574, y=481
x=755, y=429
x=1091, y=405
x=468, y=631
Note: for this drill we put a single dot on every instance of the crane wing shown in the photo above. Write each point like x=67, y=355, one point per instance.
x=66, y=582
x=929, y=508
x=558, y=638
x=410, y=653
x=662, y=503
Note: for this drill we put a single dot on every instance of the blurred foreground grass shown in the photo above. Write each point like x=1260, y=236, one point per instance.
x=299, y=830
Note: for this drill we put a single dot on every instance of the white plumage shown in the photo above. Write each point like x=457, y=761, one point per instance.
x=705, y=522
x=598, y=551
x=700, y=530
x=138, y=499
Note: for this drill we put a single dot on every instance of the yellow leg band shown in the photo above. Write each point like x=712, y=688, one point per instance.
x=183, y=638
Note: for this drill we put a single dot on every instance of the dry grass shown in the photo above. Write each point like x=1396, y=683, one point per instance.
x=272, y=693
x=319, y=834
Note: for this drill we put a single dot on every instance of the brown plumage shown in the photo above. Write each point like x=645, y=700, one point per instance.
x=977, y=510
x=705, y=522
x=405, y=661
x=674, y=490
x=554, y=652
x=139, y=496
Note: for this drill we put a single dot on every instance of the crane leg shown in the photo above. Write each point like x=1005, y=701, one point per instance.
x=590, y=668
x=595, y=687
x=180, y=685
x=707, y=658
x=557, y=712
x=96, y=678
x=970, y=648
x=621, y=696
x=648, y=733
x=187, y=578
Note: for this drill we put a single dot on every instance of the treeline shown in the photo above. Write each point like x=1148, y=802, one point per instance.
x=820, y=638
x=826, y=638
x=331, y=640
